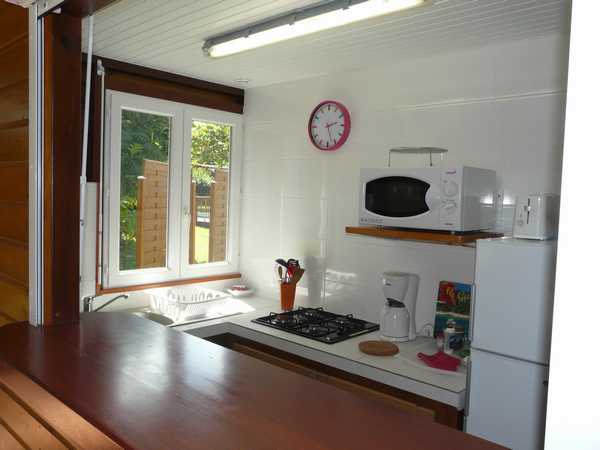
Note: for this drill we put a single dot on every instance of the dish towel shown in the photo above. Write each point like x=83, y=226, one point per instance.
x=440, y=360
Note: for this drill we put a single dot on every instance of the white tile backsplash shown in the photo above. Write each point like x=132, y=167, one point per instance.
x=498, y=107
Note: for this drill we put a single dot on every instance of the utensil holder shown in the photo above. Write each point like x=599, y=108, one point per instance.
x=288, y=294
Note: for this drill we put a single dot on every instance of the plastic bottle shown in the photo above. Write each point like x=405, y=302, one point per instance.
x=449, y=333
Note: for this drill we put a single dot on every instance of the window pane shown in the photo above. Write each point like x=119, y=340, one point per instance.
x=145, y=145
x=209, y=193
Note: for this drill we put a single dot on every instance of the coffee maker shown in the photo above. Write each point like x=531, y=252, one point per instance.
x=398, y=314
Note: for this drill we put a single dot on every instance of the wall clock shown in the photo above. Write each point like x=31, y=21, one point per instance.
x=329, y=125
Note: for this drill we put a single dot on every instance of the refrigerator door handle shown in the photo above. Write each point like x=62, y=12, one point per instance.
x=468, y=395
x=472, y=321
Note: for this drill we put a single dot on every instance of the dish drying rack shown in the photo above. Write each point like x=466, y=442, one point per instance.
x=184, y=302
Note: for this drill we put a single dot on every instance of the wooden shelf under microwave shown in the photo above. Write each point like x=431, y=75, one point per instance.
x=435, y=237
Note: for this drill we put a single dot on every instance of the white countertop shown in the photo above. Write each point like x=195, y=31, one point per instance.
x=403, y=371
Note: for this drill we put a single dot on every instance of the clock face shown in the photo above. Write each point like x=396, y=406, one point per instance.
x=329, y=125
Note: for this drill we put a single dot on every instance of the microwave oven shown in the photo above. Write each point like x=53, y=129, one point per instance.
x=452, y=199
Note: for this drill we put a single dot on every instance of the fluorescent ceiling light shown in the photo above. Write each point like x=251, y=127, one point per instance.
x=302, y=22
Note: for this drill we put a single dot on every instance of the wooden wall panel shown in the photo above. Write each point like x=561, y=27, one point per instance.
x=14, y=261
x=14, y=112
x=14, y=105
x=13, y=181
x=13, y=308
x=13, y=24
x=14, y=62
x=14, y=145
x=13, y=217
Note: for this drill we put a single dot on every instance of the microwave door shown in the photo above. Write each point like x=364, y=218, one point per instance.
x=399, y=197
x=402, y=201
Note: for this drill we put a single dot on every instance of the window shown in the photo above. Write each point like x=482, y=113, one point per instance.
x=171, y=191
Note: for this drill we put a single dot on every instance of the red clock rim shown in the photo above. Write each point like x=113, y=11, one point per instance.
x=346, y=132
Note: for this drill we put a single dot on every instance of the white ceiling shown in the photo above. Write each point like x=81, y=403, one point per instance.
x=169, y=35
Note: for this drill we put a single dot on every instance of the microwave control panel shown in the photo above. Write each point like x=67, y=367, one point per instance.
x=450, y=198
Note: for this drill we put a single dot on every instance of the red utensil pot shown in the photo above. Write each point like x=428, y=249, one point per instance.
x=288, y=294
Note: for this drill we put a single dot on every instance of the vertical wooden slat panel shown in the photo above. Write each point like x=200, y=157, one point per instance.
x=152, y=215
x=219, y=194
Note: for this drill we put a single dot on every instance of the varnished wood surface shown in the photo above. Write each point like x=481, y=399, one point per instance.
x=62, y=166
x=83, y=8
x=150, y=387
x=436, y=237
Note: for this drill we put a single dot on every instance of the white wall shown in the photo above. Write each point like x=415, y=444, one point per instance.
x=497, y=107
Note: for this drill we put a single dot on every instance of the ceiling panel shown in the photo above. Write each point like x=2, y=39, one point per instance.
x=169, y=35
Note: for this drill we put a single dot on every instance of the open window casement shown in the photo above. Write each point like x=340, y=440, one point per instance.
x=171, y=191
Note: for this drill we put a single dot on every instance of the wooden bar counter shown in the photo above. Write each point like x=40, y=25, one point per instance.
x=149, y=387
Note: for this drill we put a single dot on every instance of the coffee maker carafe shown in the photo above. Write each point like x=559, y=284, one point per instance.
x=398, y=314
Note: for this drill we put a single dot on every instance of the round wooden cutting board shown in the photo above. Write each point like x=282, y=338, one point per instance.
x=378, y=348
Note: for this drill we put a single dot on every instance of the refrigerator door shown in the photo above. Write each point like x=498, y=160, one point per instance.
x=507, y=401
x=512, y=312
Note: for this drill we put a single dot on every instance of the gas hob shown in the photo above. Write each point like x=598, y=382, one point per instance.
x=318, y=324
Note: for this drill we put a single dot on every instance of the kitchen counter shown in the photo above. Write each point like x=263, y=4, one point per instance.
x=404, y=371
x=150, y=387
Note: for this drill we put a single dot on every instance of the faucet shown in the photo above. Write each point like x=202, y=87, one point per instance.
x=88, y=302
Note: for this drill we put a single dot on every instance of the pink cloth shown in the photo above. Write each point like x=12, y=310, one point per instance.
x=440, y=361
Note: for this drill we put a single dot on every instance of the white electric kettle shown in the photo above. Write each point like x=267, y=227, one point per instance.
x=397, y=321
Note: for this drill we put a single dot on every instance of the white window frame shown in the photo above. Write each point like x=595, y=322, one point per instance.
x=177, y=267
x=231, y=264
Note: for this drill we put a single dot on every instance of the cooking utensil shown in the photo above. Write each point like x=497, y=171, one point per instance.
x=296, y=275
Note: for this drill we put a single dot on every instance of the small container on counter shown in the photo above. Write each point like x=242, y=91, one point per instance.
x=449, y=333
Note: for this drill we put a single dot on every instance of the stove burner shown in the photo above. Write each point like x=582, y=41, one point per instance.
x=316, y=330
x=315, y=323
x=284, y=320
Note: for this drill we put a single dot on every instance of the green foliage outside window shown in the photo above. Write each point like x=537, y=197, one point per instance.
x=147, y=136
x=210, y=147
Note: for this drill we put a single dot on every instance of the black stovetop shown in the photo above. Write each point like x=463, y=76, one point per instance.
x=317, y=324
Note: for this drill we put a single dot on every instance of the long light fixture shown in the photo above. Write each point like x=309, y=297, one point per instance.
x=324, y=15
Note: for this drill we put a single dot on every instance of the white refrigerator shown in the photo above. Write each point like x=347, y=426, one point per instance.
x=511, y=319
